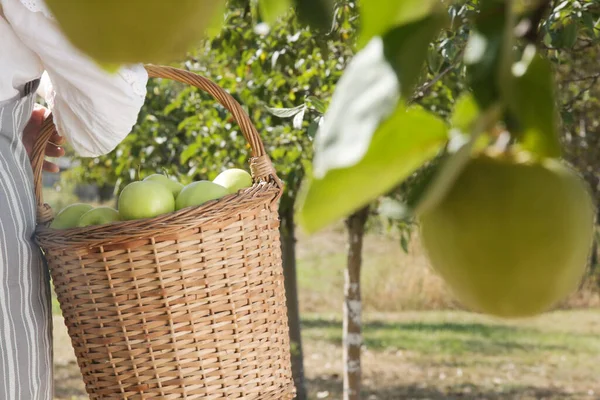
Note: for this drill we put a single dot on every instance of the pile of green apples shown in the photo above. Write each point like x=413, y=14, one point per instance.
x=155, y=195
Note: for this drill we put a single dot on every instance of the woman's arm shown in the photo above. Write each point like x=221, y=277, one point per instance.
x=93, y=109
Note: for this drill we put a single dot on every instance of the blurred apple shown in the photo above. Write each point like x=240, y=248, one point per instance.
x=197, y=193
x=99, y=216
x=124, y=32
x=234, y=179
x=69, y=216
x=174, y=186
x=145, y=199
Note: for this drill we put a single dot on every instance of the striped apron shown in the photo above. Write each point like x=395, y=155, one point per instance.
x=25, y=305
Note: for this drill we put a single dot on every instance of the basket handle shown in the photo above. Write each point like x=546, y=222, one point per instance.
x=261, y=166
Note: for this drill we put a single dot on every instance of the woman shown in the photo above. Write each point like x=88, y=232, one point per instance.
x=94, y=111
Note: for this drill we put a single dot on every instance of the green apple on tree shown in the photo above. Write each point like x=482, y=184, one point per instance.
x=174, y=186
x=511, y=238
x=69, y=216
x=99, y=216
x=117, y=32
x=234, y=179
x=145, y=199
x=197, y=193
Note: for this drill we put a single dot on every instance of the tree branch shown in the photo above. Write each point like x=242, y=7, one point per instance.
x=583, y=78
x=424, y=89
x=532, y=33
x=570, y=103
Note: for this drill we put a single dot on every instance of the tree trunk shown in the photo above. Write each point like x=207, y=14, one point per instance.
x=352, y=305
x=594, y=257
x=288, y=248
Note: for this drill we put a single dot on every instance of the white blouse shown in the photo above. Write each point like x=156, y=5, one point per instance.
x=92, y=108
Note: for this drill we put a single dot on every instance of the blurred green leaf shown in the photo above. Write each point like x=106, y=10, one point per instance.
x=380, y=16
x=270, y=10
x=465, y=113
x=401, y=144
x=313, y=127
x=569, y=35
x=316, y=13
x=366, y=94
x=442, y=176
x=533, y=105
x=406, y=48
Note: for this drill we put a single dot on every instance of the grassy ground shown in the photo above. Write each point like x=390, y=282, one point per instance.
x=418, y=354
x=448, y=355
x=438, y=355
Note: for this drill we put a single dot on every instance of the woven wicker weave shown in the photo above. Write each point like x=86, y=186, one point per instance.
x=188, y=305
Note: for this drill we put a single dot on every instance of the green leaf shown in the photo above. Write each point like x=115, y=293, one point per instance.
x=444, y=173
x=401, y=145
x=482, y=57
x=298, y=118
x=588, y=22
x=568, y=35
x=487, y=51
x=465, y=113
x=406, y=48
x=286, y=112
x=270, y=10
x=316, y=13
x=533, y=105
x=313, y=127
x=366, y=94
x=317, y=104
x=379, y=16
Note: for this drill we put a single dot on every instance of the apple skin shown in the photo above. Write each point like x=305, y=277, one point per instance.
x=99, y=216
x=145, y=199
x=234, y=179
x=197, y=193
x=174, y=186
x=69, y=216
x=511, y=239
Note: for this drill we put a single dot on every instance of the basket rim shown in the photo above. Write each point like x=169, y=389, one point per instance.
x=259, y=194
x=261, y=166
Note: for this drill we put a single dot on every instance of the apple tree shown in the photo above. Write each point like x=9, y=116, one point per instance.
x=283, y=75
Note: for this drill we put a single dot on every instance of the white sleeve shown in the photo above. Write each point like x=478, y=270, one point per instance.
x=93, y=109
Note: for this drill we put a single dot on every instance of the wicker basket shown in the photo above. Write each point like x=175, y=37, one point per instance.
x=187, y=305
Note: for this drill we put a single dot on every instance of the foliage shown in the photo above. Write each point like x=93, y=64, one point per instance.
x=491, y=48
x=284, y=74
x=275, y=72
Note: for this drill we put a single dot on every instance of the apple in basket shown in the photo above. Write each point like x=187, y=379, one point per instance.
x=197, y=193
x=145, y=199
x=234, y=179
x=174, y=186
x=69, y=216
x=99, y=216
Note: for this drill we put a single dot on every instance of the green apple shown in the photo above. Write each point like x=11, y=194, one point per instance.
x=69, y=216
x=197, y=193
x=511, y=238
x=145, y=199
x=174, y=186
x=234, y=179
x=99, y=216
x=133, y=31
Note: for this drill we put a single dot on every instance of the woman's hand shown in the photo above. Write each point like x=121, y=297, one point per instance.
x=32, y=131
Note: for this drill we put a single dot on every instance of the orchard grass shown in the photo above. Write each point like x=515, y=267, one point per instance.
x=430, y=352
